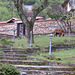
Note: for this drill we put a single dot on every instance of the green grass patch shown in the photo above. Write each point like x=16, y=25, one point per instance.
x=40, y=41
x=1, y=51
x=64, y=56
x=43, y=41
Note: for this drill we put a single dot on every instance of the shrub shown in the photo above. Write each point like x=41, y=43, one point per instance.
x=6, y=69
x=51, y=57
x=5, y=42
x=1, y=51
x=65, y=40
x=38, y=53
x=58, y=58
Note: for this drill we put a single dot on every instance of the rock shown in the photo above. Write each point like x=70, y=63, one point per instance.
x=23, y=73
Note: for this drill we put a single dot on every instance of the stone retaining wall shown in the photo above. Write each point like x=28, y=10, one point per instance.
x=8, y=28
x=40, y=27
x=44, y=27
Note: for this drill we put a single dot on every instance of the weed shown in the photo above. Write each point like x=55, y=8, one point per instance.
x=50, y=57
x=38, y=53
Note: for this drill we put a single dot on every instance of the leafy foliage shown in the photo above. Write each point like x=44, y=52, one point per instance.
x=6, y=69
x=8, y=9
x=56, y=12
x=29, y=2
x=7, y=12
x=1, y=51
x=5, y=42
x=50, y=57
x=45, y=12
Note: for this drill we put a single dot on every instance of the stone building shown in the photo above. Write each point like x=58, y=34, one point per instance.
x=41, y=26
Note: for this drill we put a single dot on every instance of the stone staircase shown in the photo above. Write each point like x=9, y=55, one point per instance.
x=46, y=70
x=33, y=66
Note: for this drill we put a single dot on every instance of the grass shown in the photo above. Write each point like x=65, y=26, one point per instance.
x=43, y=41
x=1, y=51
x=66, y=56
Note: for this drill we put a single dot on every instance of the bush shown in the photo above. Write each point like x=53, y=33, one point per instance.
x=38, y=53
x=5, y=42
x=58, y=58
x=6, y=69
x=1, y=51
x=51, y=57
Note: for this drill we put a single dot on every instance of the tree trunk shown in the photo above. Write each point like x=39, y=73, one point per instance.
x=24, y=29
x=28, y=29
x=28, y=34
x=31, y=29
x=23, y=16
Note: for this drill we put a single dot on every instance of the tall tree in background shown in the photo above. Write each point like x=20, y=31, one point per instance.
x=40, y=5
x=58, y=13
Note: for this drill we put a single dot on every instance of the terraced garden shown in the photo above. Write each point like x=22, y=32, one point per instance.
x=36, y=61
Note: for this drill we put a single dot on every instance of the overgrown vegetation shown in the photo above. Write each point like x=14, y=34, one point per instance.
x=45, y=42
x=5, y=42
x=1, y=51
x=45, y=11
x=64, y=56
x=6, y=69
x=7, y=10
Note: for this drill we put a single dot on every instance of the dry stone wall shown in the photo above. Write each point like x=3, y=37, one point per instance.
x=7, y=28
x=40, y=27
x=45, y=27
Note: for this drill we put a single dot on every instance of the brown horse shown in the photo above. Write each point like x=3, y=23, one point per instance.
x=58, y=32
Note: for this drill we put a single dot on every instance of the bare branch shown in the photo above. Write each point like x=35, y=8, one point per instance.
x=18, y=4
x=39, y=9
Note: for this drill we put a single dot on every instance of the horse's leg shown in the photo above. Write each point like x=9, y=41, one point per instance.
x=59, y=34
x=63, y=34
x=54, y=34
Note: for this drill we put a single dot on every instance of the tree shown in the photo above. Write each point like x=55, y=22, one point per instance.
x=37, y=8
x=58, y=13
x=5, y=11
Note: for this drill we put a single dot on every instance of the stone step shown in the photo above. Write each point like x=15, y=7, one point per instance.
x=14, y=55
x=39, y=72
x=17, y=52
x=71, y=64
x=9, y=49
x=44, y=68
x=34, y=58
x=22, y=62
x=60, y=73
x=5, y=49
x=13, y=58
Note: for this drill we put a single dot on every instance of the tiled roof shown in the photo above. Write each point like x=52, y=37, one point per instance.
x=9, y=21
x=48, y=19
x=38, y=17
x=13, y=19
x=4, y=22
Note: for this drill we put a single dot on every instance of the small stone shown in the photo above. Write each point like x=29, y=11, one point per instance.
x=23, y=73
